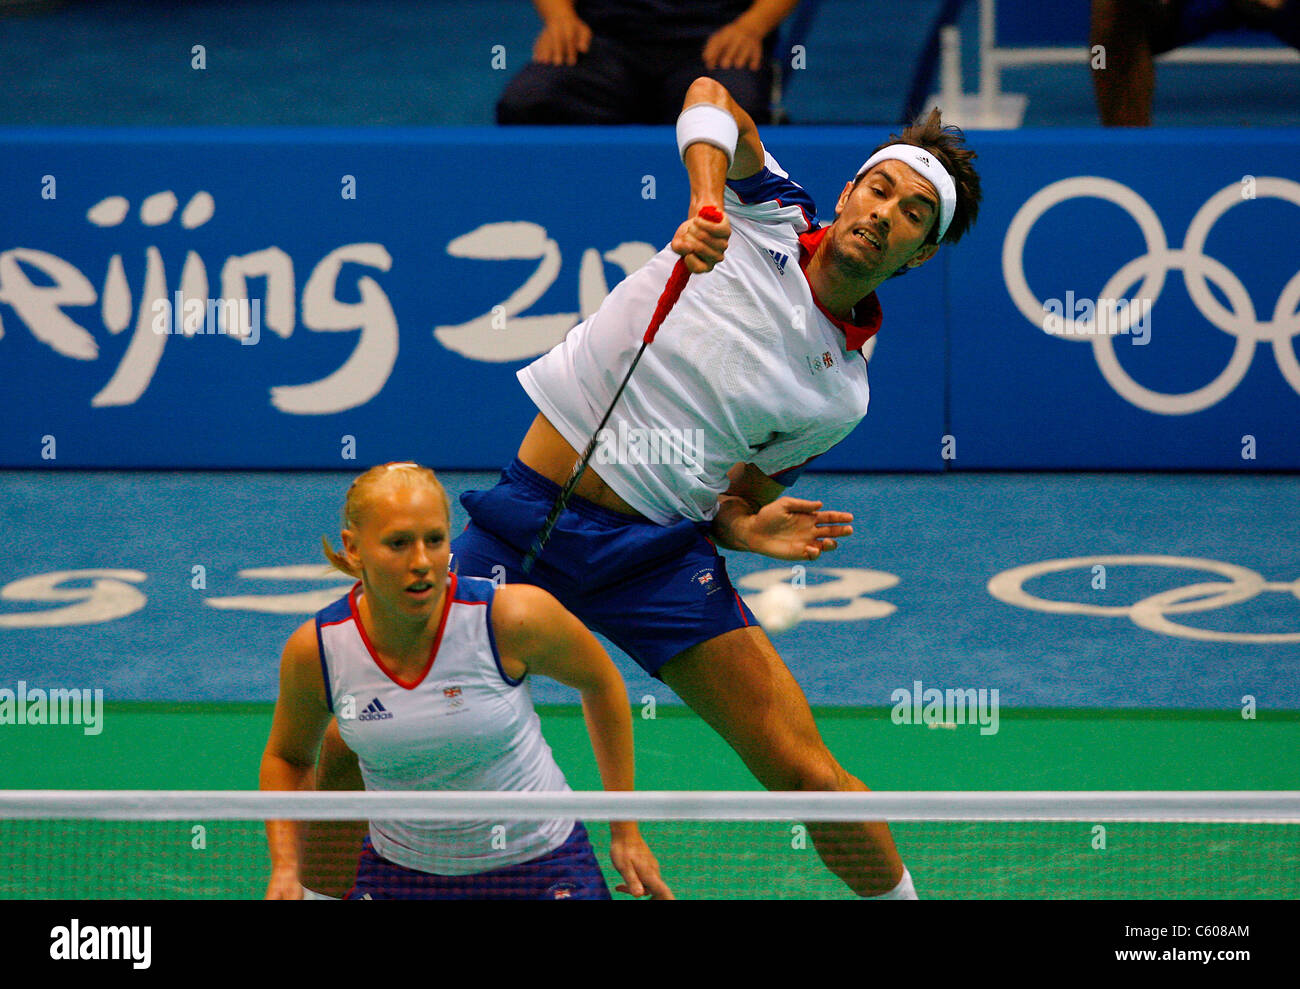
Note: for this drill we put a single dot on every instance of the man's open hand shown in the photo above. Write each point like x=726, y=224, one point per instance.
x=795, y=529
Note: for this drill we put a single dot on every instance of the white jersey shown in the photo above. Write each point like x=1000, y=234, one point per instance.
x=747, y=368
x=462, y=725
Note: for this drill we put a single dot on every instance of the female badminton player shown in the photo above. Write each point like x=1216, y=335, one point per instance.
x=426, y=673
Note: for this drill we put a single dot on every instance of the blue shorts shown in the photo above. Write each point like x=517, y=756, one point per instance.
x=652, y=590
x=571, y=872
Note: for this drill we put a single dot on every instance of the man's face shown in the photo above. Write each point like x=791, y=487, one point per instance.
x=883, y=222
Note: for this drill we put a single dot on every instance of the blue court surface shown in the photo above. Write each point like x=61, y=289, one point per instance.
x=1166, y=591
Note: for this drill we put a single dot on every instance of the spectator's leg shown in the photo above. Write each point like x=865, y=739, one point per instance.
x=599, y=89
x=1281, y=17
x=752, y=90
x=1126, y=86
x=1183, y=22
x=1286, y=23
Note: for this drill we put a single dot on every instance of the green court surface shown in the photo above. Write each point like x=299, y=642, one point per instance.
x=218, y=746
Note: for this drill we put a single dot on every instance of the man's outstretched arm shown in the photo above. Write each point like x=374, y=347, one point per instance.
x=706, y=132
x=753, y=517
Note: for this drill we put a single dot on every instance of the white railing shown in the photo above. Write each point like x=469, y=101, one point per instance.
x=992, y=108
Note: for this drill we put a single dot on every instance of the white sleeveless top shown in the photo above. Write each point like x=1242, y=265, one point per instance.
x=463, y=725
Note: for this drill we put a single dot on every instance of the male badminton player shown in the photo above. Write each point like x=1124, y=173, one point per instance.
x=762, y=353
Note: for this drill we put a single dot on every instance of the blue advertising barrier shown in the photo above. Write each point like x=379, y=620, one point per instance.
x=1193, y=236
x=327, y=298
x=392, y=283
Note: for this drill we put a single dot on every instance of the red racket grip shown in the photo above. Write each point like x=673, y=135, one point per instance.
x=676, y=282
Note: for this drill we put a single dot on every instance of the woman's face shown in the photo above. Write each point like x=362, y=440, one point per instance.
x=403, y=549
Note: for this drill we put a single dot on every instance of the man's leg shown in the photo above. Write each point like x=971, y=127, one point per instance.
x=1282, y=17
x=599, y=89
x=1126, y=86
x=741, y=687
x=752, y=89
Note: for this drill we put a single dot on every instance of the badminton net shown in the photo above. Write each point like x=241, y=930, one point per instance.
x=710, y=845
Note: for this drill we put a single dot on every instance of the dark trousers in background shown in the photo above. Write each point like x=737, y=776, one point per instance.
x=618, y=83
x=1174, y=23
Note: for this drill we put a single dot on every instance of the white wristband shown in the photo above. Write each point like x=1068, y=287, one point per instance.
x=711, y=124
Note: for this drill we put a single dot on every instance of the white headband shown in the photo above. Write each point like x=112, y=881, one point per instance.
x=925, y=164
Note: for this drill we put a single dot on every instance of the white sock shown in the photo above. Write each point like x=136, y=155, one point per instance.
x=903, y=891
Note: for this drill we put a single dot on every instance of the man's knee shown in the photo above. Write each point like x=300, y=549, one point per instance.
x=812, y=771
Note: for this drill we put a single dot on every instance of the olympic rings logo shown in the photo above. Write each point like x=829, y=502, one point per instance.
x=1152, y=613
x=1241, y=322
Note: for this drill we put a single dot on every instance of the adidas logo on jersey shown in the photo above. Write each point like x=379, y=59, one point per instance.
x=375, y=711
x=779, y=260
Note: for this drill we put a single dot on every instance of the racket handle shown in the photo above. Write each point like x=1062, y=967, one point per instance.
x=676, y=282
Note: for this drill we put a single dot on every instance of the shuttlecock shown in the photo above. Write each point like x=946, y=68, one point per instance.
x=778, y=608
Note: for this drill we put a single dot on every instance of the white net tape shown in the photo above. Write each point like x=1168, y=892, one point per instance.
x=1103, y=805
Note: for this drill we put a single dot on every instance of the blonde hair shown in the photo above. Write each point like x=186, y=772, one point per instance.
x=363, y=490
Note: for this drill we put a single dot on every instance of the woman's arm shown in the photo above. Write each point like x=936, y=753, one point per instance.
x=536, y=634
x=290, y=756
